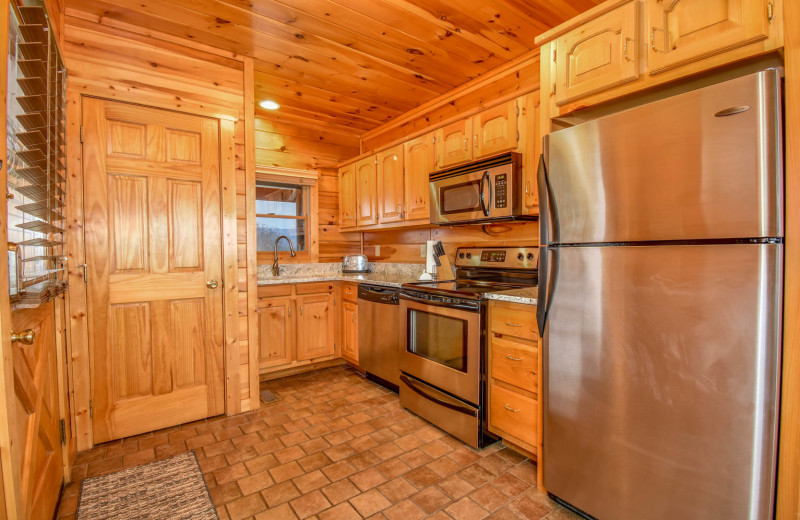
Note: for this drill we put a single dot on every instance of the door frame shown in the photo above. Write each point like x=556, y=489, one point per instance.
x=76, y=253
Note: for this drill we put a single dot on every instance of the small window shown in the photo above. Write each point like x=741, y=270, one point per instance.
x=281, y=209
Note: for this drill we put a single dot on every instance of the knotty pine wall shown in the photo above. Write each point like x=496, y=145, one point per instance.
x=296, y=142
x=115, y=61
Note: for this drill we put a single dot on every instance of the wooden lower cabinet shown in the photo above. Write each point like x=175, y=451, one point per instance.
x=350, y=332
x=302, y=324
x=514, y=375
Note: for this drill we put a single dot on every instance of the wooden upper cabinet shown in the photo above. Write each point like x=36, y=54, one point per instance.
x=390, y=185
x=682, y=31
x=531, y=148
x=454, y=143
x=495, y=129
x=366, y=192
x=315, y=326
x=419, y=163
x=275, y=331
x=347, y=196
x=599, y=54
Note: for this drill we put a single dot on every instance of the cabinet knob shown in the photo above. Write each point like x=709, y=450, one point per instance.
x=25, y=337
x=212, y=284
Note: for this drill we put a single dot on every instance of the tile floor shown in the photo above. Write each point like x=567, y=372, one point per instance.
x=334, y=446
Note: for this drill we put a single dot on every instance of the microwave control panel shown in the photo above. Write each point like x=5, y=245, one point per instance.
x=501, y=190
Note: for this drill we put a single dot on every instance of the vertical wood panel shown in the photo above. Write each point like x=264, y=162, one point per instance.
x=127, y=213
x=250, y=214
x=185, y=226
x=186, y=332
x=158, y=197
x=131, y=352
x=788, y=498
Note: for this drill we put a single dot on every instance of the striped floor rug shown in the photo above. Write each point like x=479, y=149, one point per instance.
x=169, y=489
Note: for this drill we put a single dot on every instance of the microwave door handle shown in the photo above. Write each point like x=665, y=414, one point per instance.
x=486, y=208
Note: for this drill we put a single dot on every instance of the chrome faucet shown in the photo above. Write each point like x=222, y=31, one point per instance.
x=275, y=268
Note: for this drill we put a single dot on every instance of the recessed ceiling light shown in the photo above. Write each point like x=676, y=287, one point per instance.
x=268, y=104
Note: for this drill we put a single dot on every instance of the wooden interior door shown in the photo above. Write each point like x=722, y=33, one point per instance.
x=36, y=416
x=315, y=326
x=347, y=196
x=154, y=267
x=420, y=161
x=366, y=193
x=682, y=31
x=275, y=331
x=495, y=129
x=597, y=55
x=390, y=185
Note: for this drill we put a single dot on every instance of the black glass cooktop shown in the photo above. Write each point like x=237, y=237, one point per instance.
x=466, y=288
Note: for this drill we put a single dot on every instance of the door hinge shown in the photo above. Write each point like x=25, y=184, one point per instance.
x=81, y=133
x=516, y=109
x=91, y=411
x=83, y=266
x=554, y=55
x=517, y=135
x=553, y=93
x=63, y=432
x=770, y=12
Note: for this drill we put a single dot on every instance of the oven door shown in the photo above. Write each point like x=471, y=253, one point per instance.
x=442, y=344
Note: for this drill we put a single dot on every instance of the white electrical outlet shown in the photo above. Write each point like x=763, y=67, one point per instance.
x=377, y=250
x=423, y=250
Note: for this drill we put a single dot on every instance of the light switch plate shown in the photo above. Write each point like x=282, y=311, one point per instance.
x=423, y=249
x=377, y=250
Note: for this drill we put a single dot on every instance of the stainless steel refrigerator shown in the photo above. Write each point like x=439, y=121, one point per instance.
x=660, y=306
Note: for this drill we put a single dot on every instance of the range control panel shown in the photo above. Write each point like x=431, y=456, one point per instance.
x=498, y=257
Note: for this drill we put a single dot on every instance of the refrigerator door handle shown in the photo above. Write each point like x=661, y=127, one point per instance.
x=547, y=284
x=546, y=202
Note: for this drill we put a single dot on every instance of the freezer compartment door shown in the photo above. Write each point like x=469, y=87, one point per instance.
x=661, y=380
x=702, y=165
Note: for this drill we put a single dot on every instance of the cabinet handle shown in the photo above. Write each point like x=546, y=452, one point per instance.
x=507, y=407
x=466, y=141
x=290, y=312
x=653, y=37
x=512, y=358
x=25, y=337
x=625, y=49
x=353, y=318
x=301, y=310
x=527, y=187
x=475, y=142
x=513, y=324
x=770, y=12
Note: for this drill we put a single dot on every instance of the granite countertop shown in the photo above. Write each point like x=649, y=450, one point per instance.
x=388, y=280
x=528, y=296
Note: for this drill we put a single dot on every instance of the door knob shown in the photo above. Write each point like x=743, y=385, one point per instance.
x=25, y=337
x=212, y=284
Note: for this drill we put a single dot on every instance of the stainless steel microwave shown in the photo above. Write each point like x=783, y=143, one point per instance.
x=483, y=191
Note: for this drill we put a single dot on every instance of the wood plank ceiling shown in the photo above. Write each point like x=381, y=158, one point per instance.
x=348, y=65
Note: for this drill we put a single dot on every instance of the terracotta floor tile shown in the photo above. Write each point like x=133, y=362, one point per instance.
x=383, y=436
x=367, y=479
x=262, y=463
x=340, y=452
x=138, y=458
x=405, y=510
x=387, y=451
x=253, y=426
x=293, y=438
x=289, y=454
x=311, y=481
x=317, y=430
x=93, y=455
x=422, y=477
x=245, y=507
x=311, y=504
x=397, y=489
x=363, y=460
x=532, y=507
x=338, y=470
x=282, y=512
x=104, y=466
x=393, y=468
x=370, y=502
x=464, y=456
x=340, y=491
x=315, y=445
x=286, y=471
x=230, y=474
x=525, y=471
x=510, y=485
x=495, y=464
x=182, y=435
x=227, y=493
x=444, y=466
x=166, y=451
x=343, y=511
x=338, y=437
x=212, y=464
x=218, y=448
x=415, y=458
x=363, y=443
x=280, y=493
x=250, y=439
x=408, y=442
x=193, y=443
x=254, y=483
x=315, y=461
x=268, y=446
x=455, y=487
x=476, y=475
x=466, y=509
x=436, y=449
x=431, y=499
x=488, y=497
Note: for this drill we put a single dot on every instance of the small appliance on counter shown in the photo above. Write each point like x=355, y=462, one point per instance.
x=355, y=264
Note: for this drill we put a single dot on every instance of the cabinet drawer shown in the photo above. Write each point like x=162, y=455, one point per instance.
x=516, y=320
x=268, y=291
x=350, y=292
x=514, y=414
x=314, y=287
x=515, y=363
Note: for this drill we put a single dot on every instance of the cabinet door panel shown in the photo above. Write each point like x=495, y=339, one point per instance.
x=682, y=31
x=531, y=147
x=390, y=185
x=314, y=326
x=347, y=196
x=419, y=163
x=350, y=326
x=366, y=192
x=495, y=130
x=275, y=332
x=597, y=55
x=454, y=143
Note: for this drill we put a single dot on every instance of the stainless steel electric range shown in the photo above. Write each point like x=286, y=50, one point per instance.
x=442, y=361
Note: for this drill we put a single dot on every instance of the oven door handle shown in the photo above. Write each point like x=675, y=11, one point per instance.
x=486, y=208
x=453, y=305
x=441, y=402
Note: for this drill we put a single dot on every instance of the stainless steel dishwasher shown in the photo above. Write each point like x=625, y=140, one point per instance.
x=379, y=333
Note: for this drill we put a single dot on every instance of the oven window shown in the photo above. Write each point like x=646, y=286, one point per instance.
x=460, y=198
x=441, y=339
